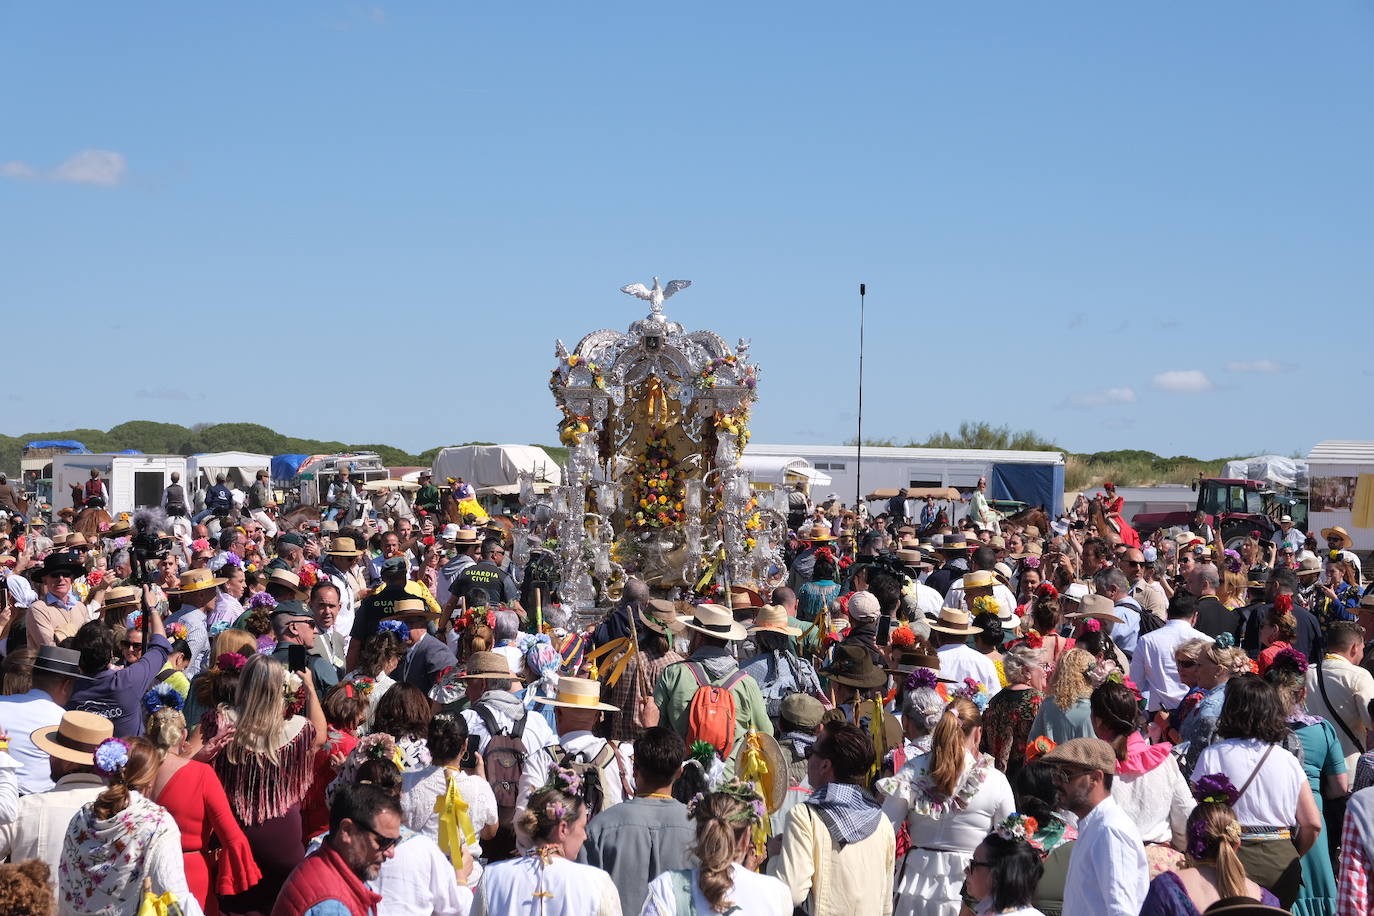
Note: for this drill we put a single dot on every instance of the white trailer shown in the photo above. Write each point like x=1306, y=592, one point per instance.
x=1036, y=478
x=1341, y=474
x=494, y=470
x=134, y=481
x=240, y=467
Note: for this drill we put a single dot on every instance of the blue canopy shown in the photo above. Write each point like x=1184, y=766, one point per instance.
x=79, y=447
x=284, y=467
x=1033, y=484
x=129, y=451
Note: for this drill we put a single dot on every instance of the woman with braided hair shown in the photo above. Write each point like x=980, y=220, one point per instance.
x=547, y=879
x=214, y=850
x=726, y=822
x=1212, y=868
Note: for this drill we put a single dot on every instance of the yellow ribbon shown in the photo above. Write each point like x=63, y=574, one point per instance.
x=875, y=728
x=455, y=825
x=158, y=904
x=623, y=644
x=710, y=573
x=753, y=768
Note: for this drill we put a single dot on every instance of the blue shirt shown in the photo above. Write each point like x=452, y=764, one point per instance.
x=1126, y=634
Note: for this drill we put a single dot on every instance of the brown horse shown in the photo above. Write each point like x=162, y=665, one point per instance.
x=1031, y=515
x=89, y=521
x=292, y=520
x=1107, y=528
x=941, y=520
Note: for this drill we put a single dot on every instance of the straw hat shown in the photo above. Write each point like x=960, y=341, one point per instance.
x=742, y=597
x=491, y=666
x=467, y=537
x=913, y=558
x=343, y=547
x=1032, y=550
x=121, y=595
x=196, y=580
x=979, y=578
x=1002, y=571
x=819, y=533
x=955, y=621
x=289, y=580
x=1032, y=531
x=713, y=620
x=1337, y=531
x=1309, y=566
x=409, y=608
x=75, y=738
x=75, y=539
x=1075, y=591
x=774, y=788
x=854, y=667
x=660, y=616
x=773, y=619
x=117, y=529
x=578, y=693
x=58, y=541
x=1099, y=607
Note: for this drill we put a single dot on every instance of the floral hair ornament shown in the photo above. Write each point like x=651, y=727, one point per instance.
x=394, y=626
x=1031, y=562
x=110, y=755
x=200, y=544
x=564, y=780
x=985, y=604
x=1017, y=827
x=1283, y=604
x=1092, y=625
x=1295, y=656
x=177, y=630
x=359, y=685
x=921, y=679
x=903, y=637
x=1039, y=748
x=1116, y=677
x=262, y=599
x=230, y=661
x=973, y=691
x=1033, y=640
x=1046, y=590
x=1232, y=560
x=1216, y=788
x=826, y=554
x=1225, y=641
x=163, y=696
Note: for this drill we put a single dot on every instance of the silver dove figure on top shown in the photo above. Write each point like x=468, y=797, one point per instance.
x=655, y=294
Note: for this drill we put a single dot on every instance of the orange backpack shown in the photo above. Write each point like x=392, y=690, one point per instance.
x=711, y=714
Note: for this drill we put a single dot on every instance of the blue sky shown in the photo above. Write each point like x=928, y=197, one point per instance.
x=1146, y=226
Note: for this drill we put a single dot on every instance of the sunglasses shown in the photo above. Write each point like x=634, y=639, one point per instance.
x=974, y=865
x=383, y=842
x=1187, y=663
x=132, y=646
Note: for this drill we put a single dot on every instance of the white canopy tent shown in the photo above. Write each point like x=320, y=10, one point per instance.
x=495, y=469
x=240, y=467
x=768, y=471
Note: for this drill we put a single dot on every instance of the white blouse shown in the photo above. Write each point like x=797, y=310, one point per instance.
x=1272, y=797
x=421, y=788
x=751, y=893
x=1158, y=801
x=568, y=889
x=954, y=824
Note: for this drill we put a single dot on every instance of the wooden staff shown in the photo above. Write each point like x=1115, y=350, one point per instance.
x=538, y=611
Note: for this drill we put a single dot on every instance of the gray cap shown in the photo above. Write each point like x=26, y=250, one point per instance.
x=802, y=710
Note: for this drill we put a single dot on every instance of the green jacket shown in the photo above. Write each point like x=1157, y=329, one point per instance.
x=675, y=688
x=428, y=498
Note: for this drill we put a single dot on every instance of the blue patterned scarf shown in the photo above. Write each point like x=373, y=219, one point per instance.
x=848, y=812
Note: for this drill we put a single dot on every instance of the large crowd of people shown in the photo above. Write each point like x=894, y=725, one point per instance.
x=356, y=712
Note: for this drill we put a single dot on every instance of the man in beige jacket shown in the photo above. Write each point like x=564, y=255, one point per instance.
x=838, y=848
x=58, y=613
x=1349, y=688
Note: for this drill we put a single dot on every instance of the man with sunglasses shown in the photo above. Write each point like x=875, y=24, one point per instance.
x=1147, y=594
x=59, y=613
x=1108, y=873
x=364, y=828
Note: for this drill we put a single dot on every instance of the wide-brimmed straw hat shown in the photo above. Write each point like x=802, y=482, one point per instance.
x=713, y=620
x=578, y=693
x=956, y=621
x=121, y=595
x=195, y=580
x=913, y=558
x=1099, y=607
x=288, y=580
x=117, y=529
x=1032, y=550
x=661, y=616
x=772, y=618
x=979, y=578
x=343, y=547
x=1337, y=531
x=742, y=597
x=75, y=539
x=75, y=738
x=490, y=666
x=853, y=666
x=1309, y=566
x=407, y=608
x=817, y=533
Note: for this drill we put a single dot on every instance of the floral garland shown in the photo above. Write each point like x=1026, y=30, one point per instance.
x=657, y=486
x=397, y=627
x=930, y=801
x=755, y=811
x=1298, y=659
x=163, y=696
x=1018, y=828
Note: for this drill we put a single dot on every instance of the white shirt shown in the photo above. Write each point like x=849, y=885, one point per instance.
x=1108, y=873
x=41, y=826
x=419, y=880
x=20, y=716
x=754, y=894
x=575, y=889
x=1157, y=801
x=348, y=586
x=419, y=790
x=1272, y=798
x=1350, y=689
x=959, y=661
x=1153, y=667
x=536, y=735
x=536, y=771
x=1006, y=601
x=928, y=600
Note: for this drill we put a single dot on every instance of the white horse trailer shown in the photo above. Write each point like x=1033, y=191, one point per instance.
x=133, y=481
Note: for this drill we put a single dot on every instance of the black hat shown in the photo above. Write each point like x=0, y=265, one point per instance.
x=62, y=561
x=56, y=660
x=853, y=666
x=291, y=538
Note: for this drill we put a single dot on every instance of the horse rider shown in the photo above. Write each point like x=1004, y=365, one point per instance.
x=219, y=501
x=9, y=497
x=94, y=495
x=262, y=503
x=984, y=516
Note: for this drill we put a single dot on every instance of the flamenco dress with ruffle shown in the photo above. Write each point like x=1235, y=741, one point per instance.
x=216, y=854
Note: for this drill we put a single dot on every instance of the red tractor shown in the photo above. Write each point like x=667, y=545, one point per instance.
x=1239, y=507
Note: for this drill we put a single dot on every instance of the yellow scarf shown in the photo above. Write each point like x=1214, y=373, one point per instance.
x=453, y=818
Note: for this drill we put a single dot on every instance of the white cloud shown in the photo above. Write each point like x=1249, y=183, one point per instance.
x=1258, y=365
x=1101, y=397
x=1182, y=381
x=90, y=166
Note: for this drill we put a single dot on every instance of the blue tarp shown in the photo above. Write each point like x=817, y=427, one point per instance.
x=1033, y=484
x=78, y=447
x=284, y=467
x=129, y=451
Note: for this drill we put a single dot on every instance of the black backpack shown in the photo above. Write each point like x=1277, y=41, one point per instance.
x=1149, y=622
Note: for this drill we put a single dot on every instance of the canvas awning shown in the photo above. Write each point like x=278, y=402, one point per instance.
x=915, y=493
x=775, y=471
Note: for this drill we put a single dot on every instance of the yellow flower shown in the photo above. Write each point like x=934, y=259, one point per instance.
x=573, y=360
